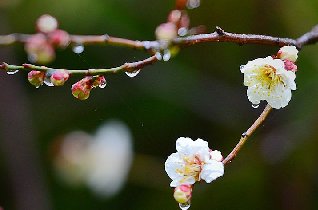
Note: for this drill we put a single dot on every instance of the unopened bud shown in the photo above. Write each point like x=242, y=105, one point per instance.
x=39, y=50
x=183, y=193
x=180, y=18
x=99, y=81
x=36, y=78
x=166, y=32
x=288, y=53
x=82, y=88
x=59, y=77
x=59, y=38
x=46, y=24
x=290, y=66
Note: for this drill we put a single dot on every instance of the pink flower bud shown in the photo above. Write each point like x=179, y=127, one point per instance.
x=46, y=24
x=36, y=78
x=288, y=53
x=82, y=88
x=99, y=81
x=290, y=66
x=166, y=32
x=59, y=77
x=59, y=38
x=183, y=193
x=179, y=18
x=39, y=50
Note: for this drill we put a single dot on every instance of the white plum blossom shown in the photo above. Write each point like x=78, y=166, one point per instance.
x=193, y=161
x=288, y=53
x=267, y=79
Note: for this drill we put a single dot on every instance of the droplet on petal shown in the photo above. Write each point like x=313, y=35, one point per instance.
x=184, y=206
x=102, y=85
x=132, y=74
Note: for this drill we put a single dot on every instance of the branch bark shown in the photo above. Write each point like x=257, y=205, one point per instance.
x=245, y=136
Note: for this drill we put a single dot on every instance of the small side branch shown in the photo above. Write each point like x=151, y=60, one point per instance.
x=308, y=38
x=245, y=136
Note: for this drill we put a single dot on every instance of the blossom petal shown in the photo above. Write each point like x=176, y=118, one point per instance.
x=172, y=164
x=212, y=171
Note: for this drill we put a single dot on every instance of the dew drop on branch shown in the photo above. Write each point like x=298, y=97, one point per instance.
x=184, y=206
x=166, y=55
x=12, y=72
x=78, y=49
x=133, y=74
x=182, y=31
x=48, y=82
x=158, y=56
x=147, y=45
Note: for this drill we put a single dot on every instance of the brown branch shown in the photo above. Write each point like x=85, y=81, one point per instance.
x=221, y=36
x=310, y=37
x=245, y=136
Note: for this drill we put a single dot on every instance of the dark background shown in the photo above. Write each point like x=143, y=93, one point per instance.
x=198, y=94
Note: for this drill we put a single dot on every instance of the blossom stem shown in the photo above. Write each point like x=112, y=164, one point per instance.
x=245, y=136
x=126, y=67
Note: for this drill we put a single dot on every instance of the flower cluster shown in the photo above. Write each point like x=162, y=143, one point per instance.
x=40, y=46
x=50, y=78
x=194, y=161
x=272, y=78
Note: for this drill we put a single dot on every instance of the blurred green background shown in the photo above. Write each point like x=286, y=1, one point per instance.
x=198, y=94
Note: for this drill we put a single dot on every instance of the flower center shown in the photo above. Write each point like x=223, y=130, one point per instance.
x=268, y=77
x=192, y=168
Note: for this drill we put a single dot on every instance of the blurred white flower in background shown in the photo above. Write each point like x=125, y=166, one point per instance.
x=101, y=162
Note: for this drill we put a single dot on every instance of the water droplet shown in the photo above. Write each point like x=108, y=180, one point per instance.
x=166, y=55
x=78, y=49
x=102, y=85
x=184, y=206
x=255, y=106
x=244, y=134
x=12, y=72
x=48, y=82
x=182, y=31
x=37, y=86
x=192, y=4
x=158, y=56
x=32, y=58
x=147, y=45
x=133, y=74
x=241, y=67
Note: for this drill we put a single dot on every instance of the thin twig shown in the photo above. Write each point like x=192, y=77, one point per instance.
x=127, y=67
x=245, y=136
